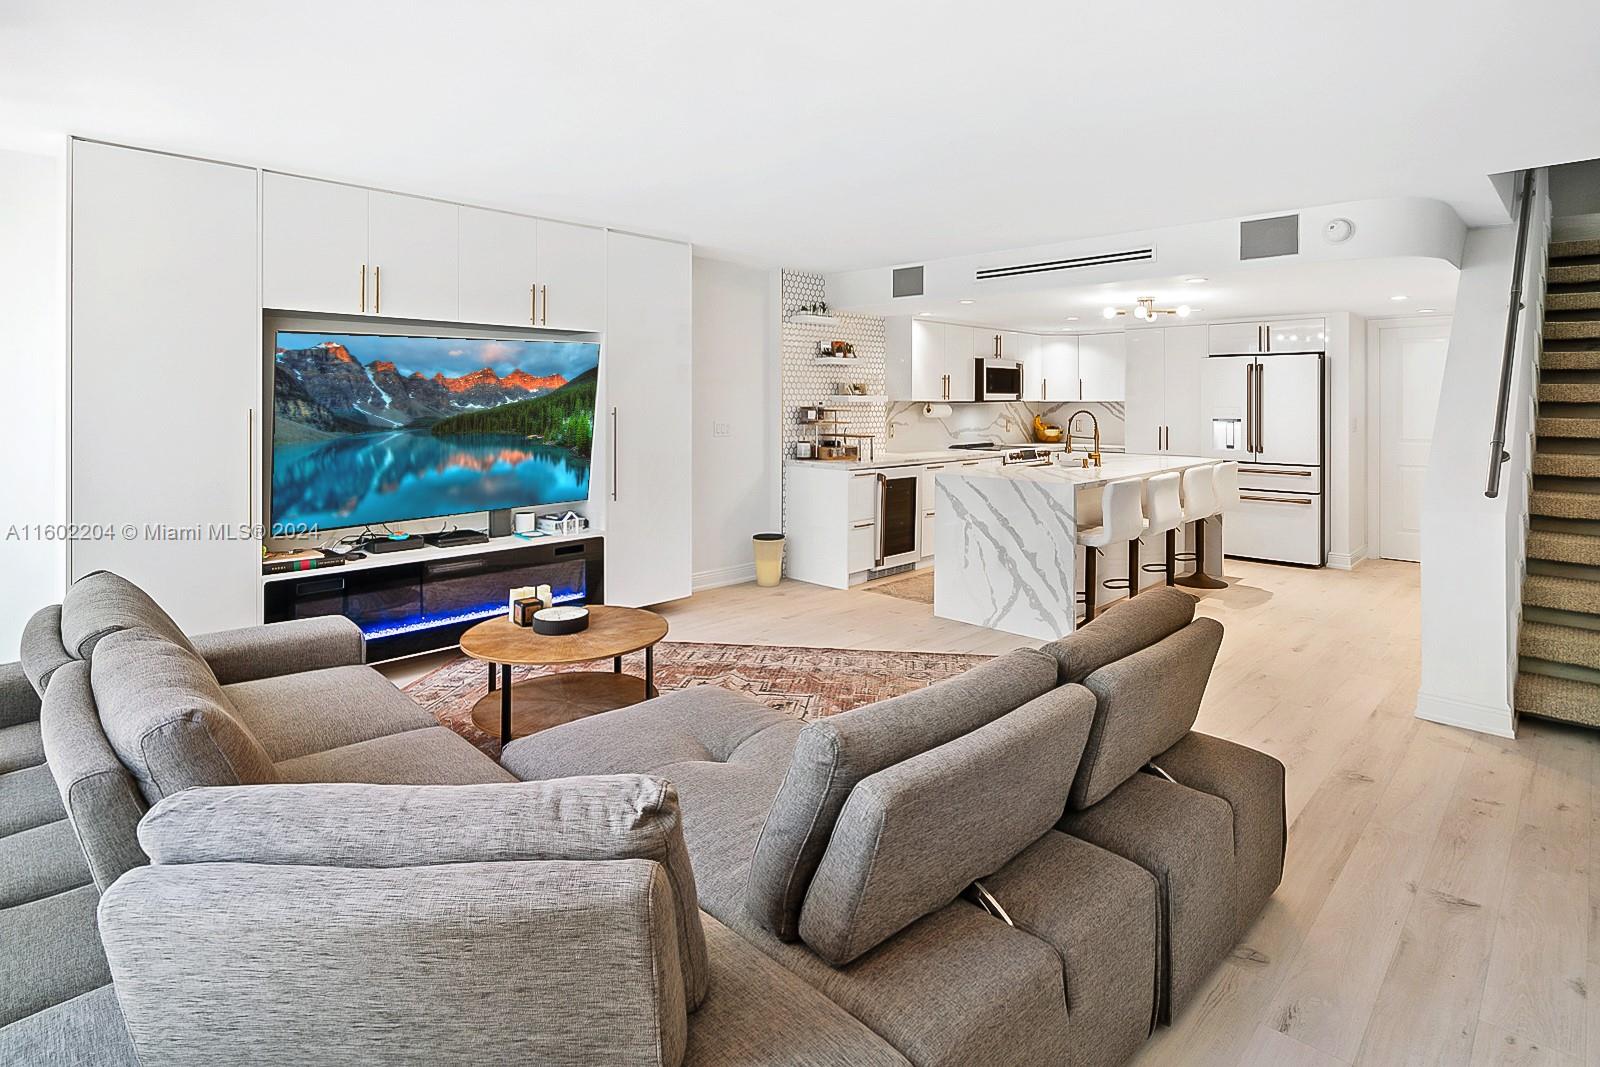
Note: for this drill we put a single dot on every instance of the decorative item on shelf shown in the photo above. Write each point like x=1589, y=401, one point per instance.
x=1046, y=432
x=555, y=622
x=525, y=523
x=805, y=450
x=569, y=523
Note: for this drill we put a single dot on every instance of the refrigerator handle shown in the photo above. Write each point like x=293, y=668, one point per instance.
x=1261, y=388
x=1249, y=406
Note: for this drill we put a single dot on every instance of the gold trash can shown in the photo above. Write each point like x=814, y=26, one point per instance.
x=769, y=558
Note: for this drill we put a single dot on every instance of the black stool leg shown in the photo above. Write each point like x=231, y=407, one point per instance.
x=1172, y=552
x=1133, y=568
x=1200, y=579
x=1088, y=585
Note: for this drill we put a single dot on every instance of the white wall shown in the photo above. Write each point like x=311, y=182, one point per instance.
x=33, y=357
x=1472, y=544
x=1347, y=446
x=735, y=389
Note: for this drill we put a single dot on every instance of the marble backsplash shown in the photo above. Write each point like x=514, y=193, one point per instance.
x=908, y=429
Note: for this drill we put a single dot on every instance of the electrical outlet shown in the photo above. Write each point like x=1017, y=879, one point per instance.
x=721, y=429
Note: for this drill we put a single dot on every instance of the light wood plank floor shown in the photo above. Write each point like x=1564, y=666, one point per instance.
x=1438, y=903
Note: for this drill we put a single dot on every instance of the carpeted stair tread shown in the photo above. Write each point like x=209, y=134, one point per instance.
x=1578, y=300
x=1568, y=249
x=1560, y=644
x=1563, y=273
x=1558, y=698
x=1571, y=329
x=1570, y=359
x=1569, y=392
x=1558, y=464
x=1563, y=594
x=1559, y=426
x=1564, y=505
x=1564, y=547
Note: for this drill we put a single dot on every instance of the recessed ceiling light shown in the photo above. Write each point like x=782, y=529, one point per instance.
x=966, y=301
x=1195, y=281
x=1398, y=296
x=1425, y=311
x=1072, y=318
x=923, y=314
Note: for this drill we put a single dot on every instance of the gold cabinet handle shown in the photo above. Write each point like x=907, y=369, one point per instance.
x=1264, y=470
x=544, y=294
x=363, y=288
x=1275, y=499
x=250, y=464
x=533, y=305
x=377, y=290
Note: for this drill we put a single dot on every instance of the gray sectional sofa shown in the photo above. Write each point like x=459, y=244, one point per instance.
x=1034, y=863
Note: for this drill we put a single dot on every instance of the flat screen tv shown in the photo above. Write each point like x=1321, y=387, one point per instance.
x=369, y=429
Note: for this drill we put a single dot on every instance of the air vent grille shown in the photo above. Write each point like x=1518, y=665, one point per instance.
x=908, y=281
x=1266, y=238
x=1131, y=255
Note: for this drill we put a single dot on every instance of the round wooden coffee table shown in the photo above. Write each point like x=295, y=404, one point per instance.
x=536, y=704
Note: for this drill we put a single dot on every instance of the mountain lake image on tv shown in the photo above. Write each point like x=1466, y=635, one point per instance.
x=370, y=429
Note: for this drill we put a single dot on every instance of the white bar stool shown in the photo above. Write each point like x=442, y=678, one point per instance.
x=1199, y=504
x=1163, y=506
x=1121, y=519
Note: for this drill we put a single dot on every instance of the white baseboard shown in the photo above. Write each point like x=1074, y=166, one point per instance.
x=1346, y=561
x=1483, y=718
x=721, y=576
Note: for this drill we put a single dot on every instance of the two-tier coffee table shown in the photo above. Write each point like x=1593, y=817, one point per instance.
x=536, y=704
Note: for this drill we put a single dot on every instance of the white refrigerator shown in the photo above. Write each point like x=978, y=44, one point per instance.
x=1269, y=413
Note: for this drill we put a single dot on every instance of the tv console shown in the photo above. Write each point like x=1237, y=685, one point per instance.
x=427, y=599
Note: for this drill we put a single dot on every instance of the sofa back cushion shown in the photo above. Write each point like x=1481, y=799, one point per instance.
x=102, y=603
x=831, y=755
x=913, y=836
x=1144, y=704
x=103, y=801
x=611, y=817
x=168, y=719
x=1122, y=631
x=42, y=652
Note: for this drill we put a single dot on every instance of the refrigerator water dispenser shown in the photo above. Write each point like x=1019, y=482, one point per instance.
x=1227, y=435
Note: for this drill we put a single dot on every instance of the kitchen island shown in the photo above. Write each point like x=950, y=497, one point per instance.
x=1007, y=546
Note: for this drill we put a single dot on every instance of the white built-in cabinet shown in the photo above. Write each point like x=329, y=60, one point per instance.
x=1163, y=390
x=930, y=361
x=1260, y=338
x=167, y=436
x=165, y=372
x=1102, y=359
x=1051, y=374
x=645, y=448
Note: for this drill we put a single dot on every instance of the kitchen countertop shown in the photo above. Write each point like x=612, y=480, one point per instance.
x=911, y=459
x=1115, y=467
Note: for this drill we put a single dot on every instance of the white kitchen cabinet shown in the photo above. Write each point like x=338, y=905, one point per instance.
x=1163, y=389
x=1235, y=339
x=961, y=344
x=862, y=502
x=927, y=361
x=499, y=268
x=313, y=246
x=164, y=435
x=1184, y=362
x=572, y=276
x=412, y=252
x=1297, y=335
x=1058, y=368
x=861, y=545
x=1101, y=363
x=1016, y=345
x=644, y=455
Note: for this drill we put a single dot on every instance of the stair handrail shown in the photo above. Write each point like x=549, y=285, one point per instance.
x=1497, y=444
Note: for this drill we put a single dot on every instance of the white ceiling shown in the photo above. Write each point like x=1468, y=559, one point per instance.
x=1364, y=287
x=832, y=135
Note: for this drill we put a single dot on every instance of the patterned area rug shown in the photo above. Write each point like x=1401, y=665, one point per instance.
x=807, y=683
x=917, y=587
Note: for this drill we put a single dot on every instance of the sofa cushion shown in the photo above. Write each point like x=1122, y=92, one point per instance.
x=102, y=801
x=913, y=836
x=435, y=756
x=102, y=603
x=49, y=952
x=167, y=718
x=28, y=798
x=313, y=711
x=592, y=818
x=40, y=862
x=42, y=650
x=1122, y=630
x=1146, y=702
x=86, y=1030
x=20, y=746
x=832, y=755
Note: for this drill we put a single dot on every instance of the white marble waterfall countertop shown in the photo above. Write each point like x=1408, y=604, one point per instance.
x=937, y=455
x=1113, y=468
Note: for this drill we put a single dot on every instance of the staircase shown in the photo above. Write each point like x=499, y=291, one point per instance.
x=1559, y=666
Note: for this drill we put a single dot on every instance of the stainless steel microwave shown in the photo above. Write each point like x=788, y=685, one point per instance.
x=996, y=379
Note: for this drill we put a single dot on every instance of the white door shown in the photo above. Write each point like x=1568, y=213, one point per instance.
x=1185, y=359
x=314, y=246
x=1411, y=367
x=1289, y=416
x=1145, y=389
x=1058, y=368
x=498, y=279
x=165, y=433
x=412, y=252
x=647, y=362
x=572, y=276
x=1101, y=359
